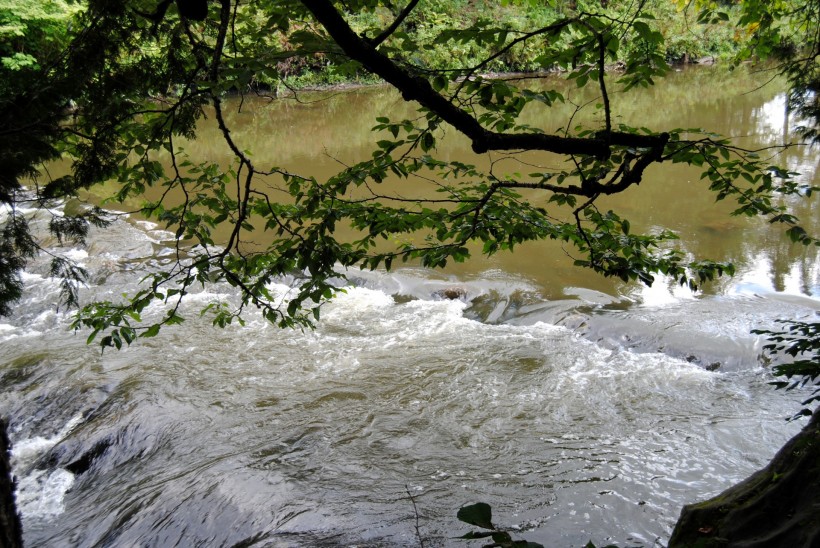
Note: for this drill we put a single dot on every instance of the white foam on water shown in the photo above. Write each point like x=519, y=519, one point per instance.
x=26, y=451
x=20, y=210
x=8, y=332
x=147, y=225
x=362, y=299
x=374, y=316
x=40, y=493
x=75, y=254
x=602, y=370
x=40, y=289
x=29, y=277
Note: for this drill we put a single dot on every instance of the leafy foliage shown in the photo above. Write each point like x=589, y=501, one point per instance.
x=33, y=34
x=801, y=341
x=141, y=76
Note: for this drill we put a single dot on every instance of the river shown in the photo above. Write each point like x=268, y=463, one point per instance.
x=579, y=408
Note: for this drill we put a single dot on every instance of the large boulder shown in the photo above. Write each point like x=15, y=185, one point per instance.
x=11, y=532
x=776, y=506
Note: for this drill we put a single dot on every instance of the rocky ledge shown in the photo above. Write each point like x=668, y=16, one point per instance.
x=776, y=506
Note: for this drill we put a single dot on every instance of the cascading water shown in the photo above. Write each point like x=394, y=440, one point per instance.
x=579, y=409
x=595, y=428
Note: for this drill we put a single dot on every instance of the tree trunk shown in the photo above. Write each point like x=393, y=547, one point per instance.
x=11, y=531
x=776, y=506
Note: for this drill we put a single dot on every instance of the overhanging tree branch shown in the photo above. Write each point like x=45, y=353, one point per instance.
x=415, y=88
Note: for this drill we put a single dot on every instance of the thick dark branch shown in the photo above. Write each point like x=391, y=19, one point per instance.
x=224, y=23
x=624, y=178
x=489, y=140
x=375, y=42
x=602, y=81
x=414, y=88
x=634, y=175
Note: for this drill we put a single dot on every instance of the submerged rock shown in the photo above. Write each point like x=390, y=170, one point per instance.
x=776, y=506
x=451, y=293
x=11, y=531
x=84, y=461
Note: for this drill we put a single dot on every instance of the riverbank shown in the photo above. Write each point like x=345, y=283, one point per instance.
x=317, y=83
x=429, y=41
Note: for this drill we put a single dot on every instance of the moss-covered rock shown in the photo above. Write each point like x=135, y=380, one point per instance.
x=11, y=532
x=776, y=506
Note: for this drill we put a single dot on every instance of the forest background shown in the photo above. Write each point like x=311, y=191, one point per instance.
x=32, y=33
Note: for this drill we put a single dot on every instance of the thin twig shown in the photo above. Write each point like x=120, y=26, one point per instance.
x=416, y=513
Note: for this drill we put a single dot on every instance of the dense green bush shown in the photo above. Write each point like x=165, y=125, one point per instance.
x=435, y=46
x=31, y=33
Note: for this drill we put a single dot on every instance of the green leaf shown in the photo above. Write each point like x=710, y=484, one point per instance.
x=439, y=82
x=151, y=331
x=796, y=233
x=427, y=141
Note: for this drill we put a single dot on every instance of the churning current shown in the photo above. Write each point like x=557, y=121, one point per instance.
x=578, y=411
x=579, y=419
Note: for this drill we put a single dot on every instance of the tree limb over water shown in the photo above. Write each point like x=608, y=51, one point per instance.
x=116, y=86
x=139, y=84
